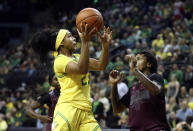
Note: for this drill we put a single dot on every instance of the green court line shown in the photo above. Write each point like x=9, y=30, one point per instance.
x=60, y=114
x=60, y=76
x=95, y=129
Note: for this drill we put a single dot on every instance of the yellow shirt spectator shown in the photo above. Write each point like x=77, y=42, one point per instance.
x=10, y=105
x=3, y=124
x=158, y=43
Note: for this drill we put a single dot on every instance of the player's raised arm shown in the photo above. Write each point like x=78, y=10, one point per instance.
x=106, y=38
x=152, y=86
x=82, y=66
x=114, y=78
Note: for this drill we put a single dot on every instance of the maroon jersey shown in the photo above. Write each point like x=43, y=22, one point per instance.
x=146, y=112
x=51, y=100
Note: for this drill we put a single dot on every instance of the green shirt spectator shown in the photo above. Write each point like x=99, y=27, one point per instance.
x=179, y=75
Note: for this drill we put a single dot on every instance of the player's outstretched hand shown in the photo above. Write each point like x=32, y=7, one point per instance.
x=132, y=61
x=106, y=37
x=85, y=35
x=115, y=77
x=45, y=118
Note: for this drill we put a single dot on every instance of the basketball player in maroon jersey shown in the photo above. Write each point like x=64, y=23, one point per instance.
x=145, y=99
x=50, y=99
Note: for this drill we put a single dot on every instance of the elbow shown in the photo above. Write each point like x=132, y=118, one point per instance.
x=28, y=109
x=83, y=71
x=102, y=67
x=155, y=92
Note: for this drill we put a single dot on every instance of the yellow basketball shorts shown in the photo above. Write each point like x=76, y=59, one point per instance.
x=69, y=118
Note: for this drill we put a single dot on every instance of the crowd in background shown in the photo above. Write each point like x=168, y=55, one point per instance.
x=161, y=26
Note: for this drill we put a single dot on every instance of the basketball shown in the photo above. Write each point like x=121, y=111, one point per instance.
x=89, y=16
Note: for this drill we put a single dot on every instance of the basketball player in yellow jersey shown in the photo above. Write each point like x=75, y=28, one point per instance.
x=73, y=111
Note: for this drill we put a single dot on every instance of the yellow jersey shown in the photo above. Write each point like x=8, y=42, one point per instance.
x=74, y=88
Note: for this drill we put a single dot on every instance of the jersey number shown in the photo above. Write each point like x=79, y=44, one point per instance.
x=83, y=80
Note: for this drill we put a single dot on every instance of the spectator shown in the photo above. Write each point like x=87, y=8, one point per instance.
x=189, y=121
x=3, y=123
x=173, y=87
x=9, y=104
x=173, y=106
x=106, y=105
x=182, y=126
x=98, y=108
x=183, y=93
x=173, y=120
x=10, y=120
x=123, y=122
x=191, y=94
x=122, y=88
x=188, y=77
x=177, y=72
x=159, y=42
x=2, y=107
x=184, y=111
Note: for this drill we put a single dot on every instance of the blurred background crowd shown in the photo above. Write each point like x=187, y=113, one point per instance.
x=165, y=27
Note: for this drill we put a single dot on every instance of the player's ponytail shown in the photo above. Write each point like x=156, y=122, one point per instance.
x=43, y=42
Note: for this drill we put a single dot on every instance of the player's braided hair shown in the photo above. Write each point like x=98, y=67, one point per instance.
x=43, y=42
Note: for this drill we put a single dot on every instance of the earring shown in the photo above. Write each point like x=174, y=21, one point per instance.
x=148, y=65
